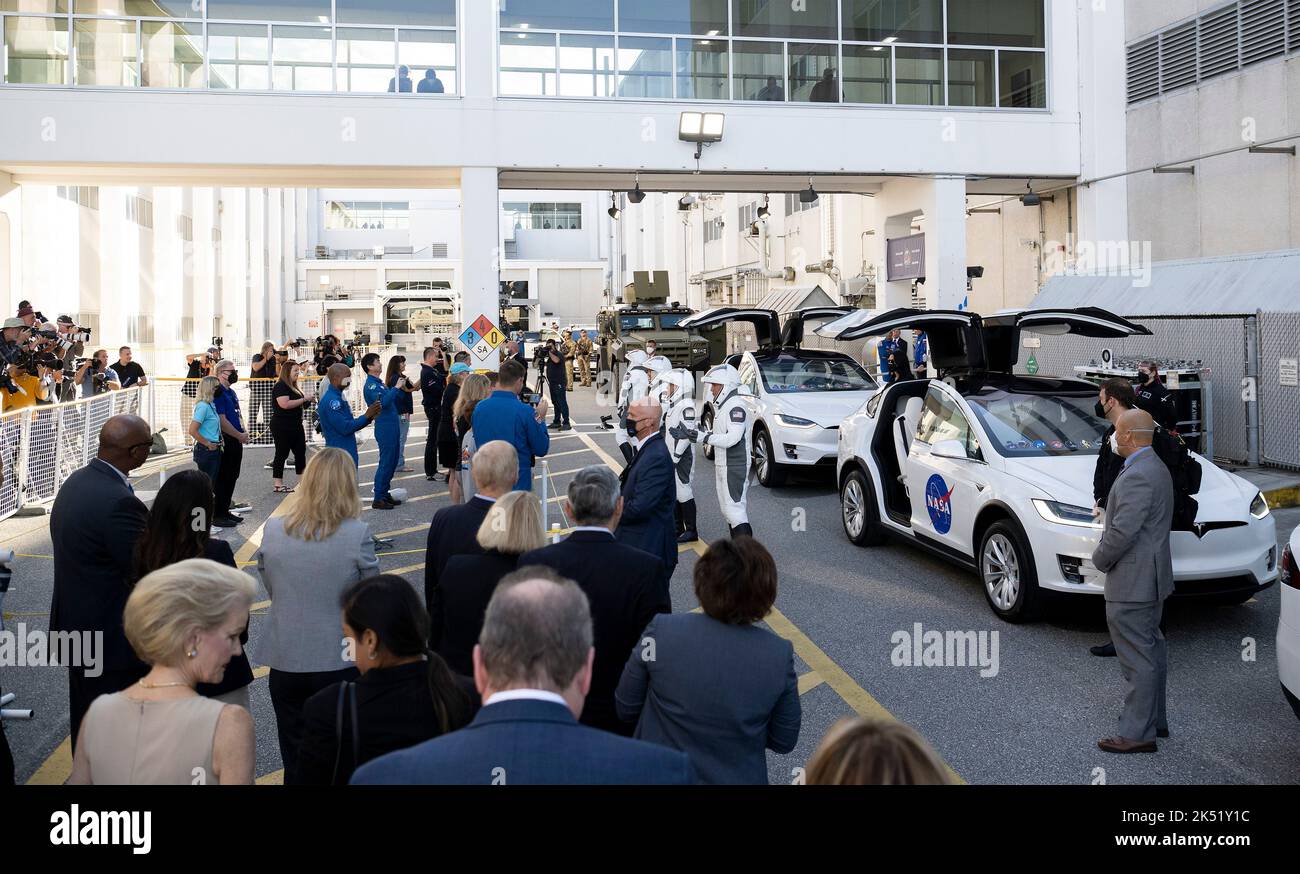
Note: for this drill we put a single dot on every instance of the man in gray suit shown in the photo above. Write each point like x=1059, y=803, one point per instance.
x=1134, y=555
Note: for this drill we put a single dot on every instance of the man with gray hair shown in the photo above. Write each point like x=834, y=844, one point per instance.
x=622, y=585
x=532, y=667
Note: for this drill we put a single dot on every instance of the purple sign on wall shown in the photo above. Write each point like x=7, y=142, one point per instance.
x=905, y=257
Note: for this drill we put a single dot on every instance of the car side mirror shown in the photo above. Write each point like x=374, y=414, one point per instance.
x=949, y=449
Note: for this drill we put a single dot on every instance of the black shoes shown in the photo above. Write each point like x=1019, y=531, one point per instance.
x=687, y=529
x=742, y=529
x=383, y=505
x=1104, y=650
x=227, y=521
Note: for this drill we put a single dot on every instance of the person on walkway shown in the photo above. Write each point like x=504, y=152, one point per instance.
x=287, y=404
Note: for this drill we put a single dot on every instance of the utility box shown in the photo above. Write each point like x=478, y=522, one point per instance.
x=1184, y=381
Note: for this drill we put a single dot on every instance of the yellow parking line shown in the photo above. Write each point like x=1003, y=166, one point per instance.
x=810, y=681
x=275, y=778
x=602, y=454
x=259, y=673
x=408, y=569
x=56, y=769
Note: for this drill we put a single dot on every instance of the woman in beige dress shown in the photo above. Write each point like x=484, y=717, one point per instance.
x=185, y=621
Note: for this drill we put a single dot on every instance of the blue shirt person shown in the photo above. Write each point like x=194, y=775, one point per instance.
x=920, y=348
x=884, y=349
x=502, y=416
x=337, y=424
x=388, y=428
x=430, y=84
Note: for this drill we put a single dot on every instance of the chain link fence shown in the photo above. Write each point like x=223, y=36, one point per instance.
x=1217, y=342
x=1279, y=396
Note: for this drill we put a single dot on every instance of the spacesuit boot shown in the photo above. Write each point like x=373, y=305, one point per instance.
x=689, y=532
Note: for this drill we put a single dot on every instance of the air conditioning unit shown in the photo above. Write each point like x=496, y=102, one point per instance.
x=859, y=291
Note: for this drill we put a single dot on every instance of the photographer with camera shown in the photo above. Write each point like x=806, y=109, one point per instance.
x=198, y=365
x=95, y=376
x=25, y=369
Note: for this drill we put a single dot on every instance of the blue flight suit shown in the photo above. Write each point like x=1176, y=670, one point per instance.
x=336, y=423
x=388, y=432
x=884, y=349
x=920, y=348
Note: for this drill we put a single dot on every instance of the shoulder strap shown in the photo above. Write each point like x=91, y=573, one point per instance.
x=338, y=731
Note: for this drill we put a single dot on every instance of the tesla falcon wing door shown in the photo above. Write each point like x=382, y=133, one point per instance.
x=955, y=337
x=767, y=327
x=792, y=330
x=1002, y=330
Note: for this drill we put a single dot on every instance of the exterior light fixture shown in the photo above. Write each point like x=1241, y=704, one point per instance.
x=636, y=195
x=1030, y=198
x=808, y=196
x=684, y=203
x=613, y=210
x=763, y=212
x=701, y=128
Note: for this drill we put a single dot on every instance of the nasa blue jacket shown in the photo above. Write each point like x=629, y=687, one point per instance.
x=337, y=424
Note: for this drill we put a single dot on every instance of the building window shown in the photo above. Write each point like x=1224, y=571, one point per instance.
x=793, y=205
x=37, y=50
x=748, y=215
x=139, y=211
x=713, y=229
x=367, y=215
x=185, y=227
x=82, y=195
x=544, y=216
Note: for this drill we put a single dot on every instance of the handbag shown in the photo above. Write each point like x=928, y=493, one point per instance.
x=338, y=731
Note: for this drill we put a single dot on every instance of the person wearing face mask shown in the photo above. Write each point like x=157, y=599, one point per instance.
x=649, y=491
x=388, y=429
x=678, y=401
x=233, y=438
x=731, y=439
x=1134, y=555
x=337, y=424
x=1153, y=397
x=636, y=383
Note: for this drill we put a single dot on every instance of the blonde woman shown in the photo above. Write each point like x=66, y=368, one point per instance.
x=474, y=389
x=873, y=752
x=308, y=557
x=205, y=429
x=512, y=527
x=184, y=621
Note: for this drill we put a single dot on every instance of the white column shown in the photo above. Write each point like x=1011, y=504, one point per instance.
x=945, y=243
x=481, y=246
x=1103, y=206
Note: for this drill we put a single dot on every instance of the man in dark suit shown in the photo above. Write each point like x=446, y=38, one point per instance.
x=649, y=491
x=1134, y=555
x=622, y=585
x=454, y=529
x=94, y=524
x=532, y=668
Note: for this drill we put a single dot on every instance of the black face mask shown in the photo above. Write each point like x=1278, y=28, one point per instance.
x=631, y=429
x=233, y=378
x=1099, y=410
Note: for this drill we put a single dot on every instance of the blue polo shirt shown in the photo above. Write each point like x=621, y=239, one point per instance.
x=227, y=404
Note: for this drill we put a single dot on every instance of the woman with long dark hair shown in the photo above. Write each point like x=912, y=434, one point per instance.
x=287, y=402
x=406, y=693
x=180, y=528
x=395, y=376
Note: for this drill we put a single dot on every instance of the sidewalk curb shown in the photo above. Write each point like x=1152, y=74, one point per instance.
x=1288, y=496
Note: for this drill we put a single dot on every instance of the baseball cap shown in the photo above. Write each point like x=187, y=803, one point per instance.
x=459, y=367
x=25, y=311
x=65, y=320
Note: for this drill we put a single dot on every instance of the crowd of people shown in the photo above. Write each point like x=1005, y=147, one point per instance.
x=42, y=363
x=524, y=662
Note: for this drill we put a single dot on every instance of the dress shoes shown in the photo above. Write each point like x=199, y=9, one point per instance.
x=1124, y=745
x=1103, y=650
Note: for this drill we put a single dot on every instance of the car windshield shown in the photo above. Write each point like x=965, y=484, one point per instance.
x=671, y=320
x=1036, y=426
x=786, y=375
x=636, y=323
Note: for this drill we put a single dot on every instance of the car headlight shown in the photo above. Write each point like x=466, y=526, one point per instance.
x=1259, y=506
x=1066, y=514
x=794, y=421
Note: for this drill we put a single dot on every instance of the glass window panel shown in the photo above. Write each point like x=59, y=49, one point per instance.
x=429, y=50
x=702, y=17
x=237, y=55
x=813, y=74
x=866, y=74
x=559, y=14
x=317, y=11
x=528, y=64
x=33, y=6
x=918, y=76
x=702, y=69
x=810, y=19
x=1023, y=81
x=586, y=66
x=903, y=20
x=37, y=50
x=147, y=8
x=302, y=59
x=105, y=52
x=758, y=71
x=437, y=13
x=366, y=58
x=970, y=77
x=645, y=67
x=172, y=54
x=996, y=23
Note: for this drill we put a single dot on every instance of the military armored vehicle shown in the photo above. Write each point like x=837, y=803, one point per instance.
x=644, y=315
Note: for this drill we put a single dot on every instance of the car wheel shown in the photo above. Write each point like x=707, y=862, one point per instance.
x=1006, y=568
x=770, y=474
x=706, y=424
x=859, y=511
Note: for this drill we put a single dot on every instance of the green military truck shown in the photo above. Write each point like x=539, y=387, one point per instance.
x=646, y=314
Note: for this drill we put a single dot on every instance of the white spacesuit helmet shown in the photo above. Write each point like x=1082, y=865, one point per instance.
x=724, y=375
x=659, y=364
x=680, y=377
x=636, y=358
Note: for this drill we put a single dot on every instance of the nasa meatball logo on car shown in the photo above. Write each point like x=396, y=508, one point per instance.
x=938, y=501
